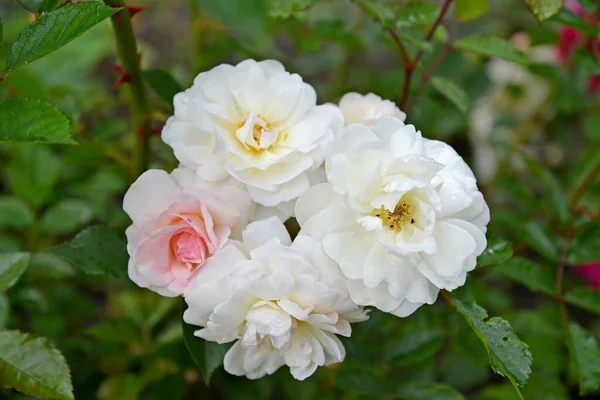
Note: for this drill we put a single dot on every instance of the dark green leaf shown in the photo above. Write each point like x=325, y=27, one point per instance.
x=468, y=10
x=4, y=310
x=163, y=84
x=12, y=266
x=455, y=94
x=66, y=216
x=285, y=8
x=414, y=344
x=492, y=47
x=544, y=9
x=554, y=193
x=122, y=387
x=417, y=13
x=25, y=120
x=508, y=355
x=33, y=366
x=569, y=18
x=38, y=6
x=97, y=250
x=427, y=391
x=54, y=29
x=15, y=214
x=533, y=232
x=591, y=127
x=586, y=353
x=380, y=12
x=32, y=174
x=1, y=33
x=498, y=251
x=584, y=297
x=208, y=356
x=536, y=277
x=116, y=331
x=360, y=380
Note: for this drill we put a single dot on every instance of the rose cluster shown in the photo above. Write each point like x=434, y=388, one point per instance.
x=387, y=217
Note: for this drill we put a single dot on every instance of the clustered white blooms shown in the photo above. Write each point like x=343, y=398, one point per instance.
x=388, y=218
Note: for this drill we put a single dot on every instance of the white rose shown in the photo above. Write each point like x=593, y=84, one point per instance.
x=359, y=108
x=401, y=215
x=254, y=122
x=283, y=303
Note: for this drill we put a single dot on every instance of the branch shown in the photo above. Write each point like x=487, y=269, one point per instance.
x=560, y=272
x=587, y=213
x=128, y=54
x=580, y=190
x=431, y=32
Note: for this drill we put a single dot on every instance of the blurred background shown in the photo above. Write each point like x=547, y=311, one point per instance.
x=531, y=134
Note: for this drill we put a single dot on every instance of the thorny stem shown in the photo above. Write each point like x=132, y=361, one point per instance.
x=140, y=110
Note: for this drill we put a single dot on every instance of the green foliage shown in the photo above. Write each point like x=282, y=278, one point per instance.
x=285, y=8
x=584, y=297
x=163, y=84
x=55, y=29
x=12, y=266
x=359, y=380
x=538, y=278
x=15, y=214
x=544, y=9
x=417, y=13
x=427, y=391
x=569, y=18
x=586, y=354
x=468, y=10
x=492, y=47
x=498, y=251
x=38, y=6
x=66, y=216
x=380, y=12
x=24, y=120
x=455, y=94
x=508, y=355
x=33, y=366
x=96, y=251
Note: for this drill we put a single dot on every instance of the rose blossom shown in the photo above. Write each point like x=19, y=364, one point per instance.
x=401, y=215
x=282, y=303
x=175, y=229
x=359, y=108
x=254, y=122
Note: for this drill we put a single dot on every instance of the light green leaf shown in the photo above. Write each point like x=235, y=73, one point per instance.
x=97, y=250
x=544, y=9
x=163, y=84
x=469, y=10
x=417, y=13
x=554, y=193
x=536, y=277
x=285, y=8
x=508, y=355
x=208, y=356
x=498, y=251
x=492, y=47
x=34, y=121
x=12, y=266
x=380, y=12
x=455, y=94
x=66, y=216
x=32, y=173
x=15, y=214
x=423, y=390
x=54, y=29
x=360, y=380
x=584, y=297
x=33, y=366
x=38, y=6
x=586, y=353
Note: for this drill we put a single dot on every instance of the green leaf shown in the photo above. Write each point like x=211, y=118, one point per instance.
x=34, y=121
x=508, y=355
x=414, y=344
x=12, y=266
x=498, y=251
x=66, y=216
x=427, y=391
x=163, y=84
x=455, y=94
x=33, y=366
x=586, y=353
x=417, y=13
x=15, y=214
x=208, y=356
x=4, y=310
x=122, y=387
x=536, y=277
x=380, y=12
x=38, y=6
x=54, y=29
x=544, y=9
x=533, y=232
x=491, y=46
x=285, y=8
x=469, y=10
x=569, y=18
x=32, y=173
x=97, y=250
x=591, y=127
x=1, y=33
x=584, y=297
x=116, y=331
x=554, y=193
x=357, y=379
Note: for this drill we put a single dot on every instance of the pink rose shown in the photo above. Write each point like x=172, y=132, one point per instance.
x=176, y=228
x=591, y=273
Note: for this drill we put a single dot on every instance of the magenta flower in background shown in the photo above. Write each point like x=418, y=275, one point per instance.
x=591, y=273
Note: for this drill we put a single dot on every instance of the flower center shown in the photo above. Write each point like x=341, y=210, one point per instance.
x=403, y=214
x=255, y=133
x=189, y=248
